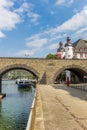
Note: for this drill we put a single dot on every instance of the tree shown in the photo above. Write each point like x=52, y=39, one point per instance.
x=51, y=56
x=85, y=41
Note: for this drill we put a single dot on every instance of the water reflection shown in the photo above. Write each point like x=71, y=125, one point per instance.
x=22, y=90
x=14, y=109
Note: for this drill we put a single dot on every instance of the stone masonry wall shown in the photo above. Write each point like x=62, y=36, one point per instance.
x=46, y=69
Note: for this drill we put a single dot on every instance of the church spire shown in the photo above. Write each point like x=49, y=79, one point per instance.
x=68, y=42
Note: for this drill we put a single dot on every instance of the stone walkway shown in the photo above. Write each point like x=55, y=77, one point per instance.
x=60, y=108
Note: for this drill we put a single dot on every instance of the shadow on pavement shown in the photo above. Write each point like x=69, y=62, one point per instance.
x=73, y=91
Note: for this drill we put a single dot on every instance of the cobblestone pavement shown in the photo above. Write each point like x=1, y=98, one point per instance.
x=61, y=108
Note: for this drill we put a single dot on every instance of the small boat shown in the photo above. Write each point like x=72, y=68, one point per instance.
x=23, y=83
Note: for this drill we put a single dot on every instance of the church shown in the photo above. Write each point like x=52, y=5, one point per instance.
x=76, y=50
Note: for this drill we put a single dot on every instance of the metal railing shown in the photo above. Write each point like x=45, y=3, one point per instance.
x=30, y=123
x=81, y=86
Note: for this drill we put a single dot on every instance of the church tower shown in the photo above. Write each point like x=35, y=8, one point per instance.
x=68, y=49
x=60, y=51
x=68, y=55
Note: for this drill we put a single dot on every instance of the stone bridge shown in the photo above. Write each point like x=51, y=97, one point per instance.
x=45, y=70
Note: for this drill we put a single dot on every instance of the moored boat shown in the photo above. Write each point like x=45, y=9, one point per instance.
x=23, y=83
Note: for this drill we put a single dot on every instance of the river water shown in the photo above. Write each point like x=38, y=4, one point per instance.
x=15, y=107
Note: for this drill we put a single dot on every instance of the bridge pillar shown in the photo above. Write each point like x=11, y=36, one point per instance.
x=46, y=79
x=1, y=95
x=43, y=79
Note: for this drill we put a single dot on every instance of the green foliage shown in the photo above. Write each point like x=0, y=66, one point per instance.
x=51, y=56
x=62, y=76
x=85, y=41
x=17, y=74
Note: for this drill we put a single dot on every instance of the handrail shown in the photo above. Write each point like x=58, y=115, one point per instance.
x=31, y=115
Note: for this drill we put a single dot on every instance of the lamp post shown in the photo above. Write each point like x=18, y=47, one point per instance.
x=27, y=55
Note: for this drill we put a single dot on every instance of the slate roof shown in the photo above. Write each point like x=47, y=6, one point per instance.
x=80, y=46
x=60, y=50
x=68, y=43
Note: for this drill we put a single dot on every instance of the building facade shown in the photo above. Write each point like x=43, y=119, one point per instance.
x=76, y=50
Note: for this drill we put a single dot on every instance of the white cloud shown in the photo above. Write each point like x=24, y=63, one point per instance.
x=64, y=2
x=28, y=8
x=36, y=36
x=2, y=35
x=71, y=2
x=53, y=46
x=59, y=2
x=36, y=42
x=33, y=17
x=76, y=22
x=6, y=4
x=8, y=19
x=73, y=26
x=10, y=16
x=82, y=30
x=59, y=36
x=24, y=7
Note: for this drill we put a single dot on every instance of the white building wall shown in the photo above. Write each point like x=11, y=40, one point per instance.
x=68, y=52
x=68, y=55
x=78, y=56
x=84, y=57
x=63, y=54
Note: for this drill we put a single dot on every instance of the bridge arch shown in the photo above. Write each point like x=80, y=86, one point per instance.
x=19, y=66
x=78, y=70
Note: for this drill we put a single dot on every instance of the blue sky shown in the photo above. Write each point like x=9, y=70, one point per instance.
x=33, y=28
